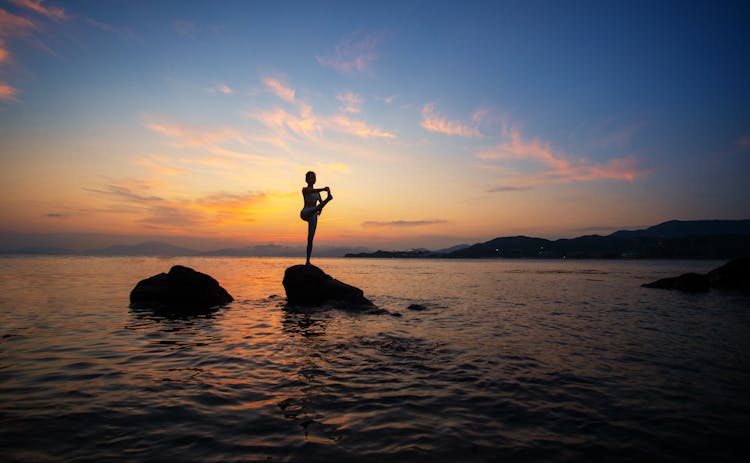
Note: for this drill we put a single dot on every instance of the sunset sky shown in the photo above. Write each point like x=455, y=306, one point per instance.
x=434, y=123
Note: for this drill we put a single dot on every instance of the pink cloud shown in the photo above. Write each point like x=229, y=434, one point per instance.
x=53, y=12
x=352, y=103
x=354, y=54
x=310, y=125
x=221, y=88
x=554, y=165
x=8, y=93
x=189, y=136
x=279, y=88
x=4, y=53
x=306, y=124
x=14, y=26
x=358, y=128
x=435, y=123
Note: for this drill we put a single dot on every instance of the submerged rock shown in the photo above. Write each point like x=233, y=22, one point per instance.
x=309, y=285
x=691, y=282
x=735, y=274
x=181, y=289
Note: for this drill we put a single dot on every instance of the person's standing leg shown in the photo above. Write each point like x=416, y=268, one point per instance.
x=312, y=224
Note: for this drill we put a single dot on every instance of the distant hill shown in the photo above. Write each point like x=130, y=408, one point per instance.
x=275, y=250
x=41, y=250
x=150, y=248
x=688, y=228
x=705, y=239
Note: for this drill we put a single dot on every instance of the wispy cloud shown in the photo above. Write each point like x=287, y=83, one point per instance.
x=160, y=165
x=403, y=223
x=358, y=128
x=8, y=93
x=14, y=26
x=479, y=115
x=218, y=146
x=436, y=123
x=185, y=28
x=550, y=165
x=508, y=188
x=190, y=28
x=279, y=88
x=52, y=12
x=208, y=212
x=221, y=88
x=187, y=136
x=353, y=54
x=283, y=123
x=351, y=102
x=4, y=53
x=606, y=137
x=310, y=125
x=123, y=32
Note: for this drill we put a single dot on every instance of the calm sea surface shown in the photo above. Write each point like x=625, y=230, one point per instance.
x=513, y=360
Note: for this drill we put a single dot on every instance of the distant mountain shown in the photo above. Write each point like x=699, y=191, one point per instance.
x=687, y=228
x=705, y=239
x=275, y=250
x=150, y=248
x=709, y=239
x=514, y=246
x=41, y=250
x=451, y=249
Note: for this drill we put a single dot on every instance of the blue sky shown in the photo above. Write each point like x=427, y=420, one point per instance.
x=440, y=122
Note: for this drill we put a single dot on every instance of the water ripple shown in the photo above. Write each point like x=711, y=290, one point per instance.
x=519, y=361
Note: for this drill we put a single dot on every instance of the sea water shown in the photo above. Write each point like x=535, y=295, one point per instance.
x=511, y=360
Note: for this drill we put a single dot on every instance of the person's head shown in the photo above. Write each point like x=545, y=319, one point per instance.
x=310, y=177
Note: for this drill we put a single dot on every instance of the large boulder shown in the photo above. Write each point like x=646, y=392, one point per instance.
x=735, y=274
x=181, y=289
x=309, y=285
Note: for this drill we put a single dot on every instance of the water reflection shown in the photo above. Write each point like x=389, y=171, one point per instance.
x=306, y=328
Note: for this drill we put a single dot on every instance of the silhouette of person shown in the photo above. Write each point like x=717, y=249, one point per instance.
x=313, y=207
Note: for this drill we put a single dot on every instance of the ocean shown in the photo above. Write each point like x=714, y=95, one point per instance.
x=511, y=360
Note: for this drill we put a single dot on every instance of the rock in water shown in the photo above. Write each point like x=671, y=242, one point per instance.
x=691, y=282
x=309, y=285
x=181, y=288
x=735, y=274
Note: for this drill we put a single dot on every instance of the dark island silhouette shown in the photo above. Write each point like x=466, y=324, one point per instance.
x=702, y=239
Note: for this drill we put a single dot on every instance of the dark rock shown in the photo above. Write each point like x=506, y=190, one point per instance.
x=735, y=274
x=309, y=285
x=691, y=282
x=417, y=307
x=181, y=289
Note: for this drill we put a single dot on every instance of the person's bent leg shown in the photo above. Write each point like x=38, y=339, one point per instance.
x=320, y=206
